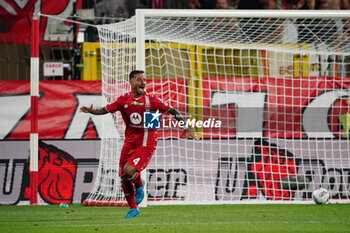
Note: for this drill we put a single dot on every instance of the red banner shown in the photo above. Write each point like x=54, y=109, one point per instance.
x=12, y=10
x=59, y=103
x=247, y=108
x=16, y=20
x=276, y=107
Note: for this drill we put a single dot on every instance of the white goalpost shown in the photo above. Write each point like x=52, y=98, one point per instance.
x=267, y=91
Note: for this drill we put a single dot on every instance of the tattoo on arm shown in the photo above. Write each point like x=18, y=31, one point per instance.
x=100, y=111
x=177, y=115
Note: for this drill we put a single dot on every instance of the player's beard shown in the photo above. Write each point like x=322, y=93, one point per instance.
x=139, y=91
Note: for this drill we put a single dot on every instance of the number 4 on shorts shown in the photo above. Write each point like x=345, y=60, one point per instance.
x=136, y=161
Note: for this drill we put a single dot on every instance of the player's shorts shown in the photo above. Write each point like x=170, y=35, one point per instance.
x=138, y=158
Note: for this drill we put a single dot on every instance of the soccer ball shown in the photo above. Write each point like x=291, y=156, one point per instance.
x=320, y=196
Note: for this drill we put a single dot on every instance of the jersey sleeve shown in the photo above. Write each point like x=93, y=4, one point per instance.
x=116, y=105
x=158, y=104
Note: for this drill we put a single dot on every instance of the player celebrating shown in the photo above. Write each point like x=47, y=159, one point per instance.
x=140, y=143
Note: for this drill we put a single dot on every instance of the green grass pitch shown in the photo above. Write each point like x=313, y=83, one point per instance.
x=194, y=218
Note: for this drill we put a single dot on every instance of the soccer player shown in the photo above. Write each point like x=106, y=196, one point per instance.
x=139, y=143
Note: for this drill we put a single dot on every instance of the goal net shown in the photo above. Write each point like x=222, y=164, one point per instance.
x=267, y=92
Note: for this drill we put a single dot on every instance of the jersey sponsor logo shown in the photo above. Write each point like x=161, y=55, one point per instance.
x=136, y=103
x=135, y=118
x=151, y=120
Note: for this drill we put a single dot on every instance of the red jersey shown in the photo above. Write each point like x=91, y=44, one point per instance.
x=132, y=110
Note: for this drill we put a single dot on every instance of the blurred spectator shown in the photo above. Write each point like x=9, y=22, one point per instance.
x=111, y=11
x=250, y=4
x=235, y=3
x=193, y=4
x=323, y=5
x=345, y=5
x=332, y=4
x=258, y=4
x=222, y=5
x=269, y=4
x=298, y=4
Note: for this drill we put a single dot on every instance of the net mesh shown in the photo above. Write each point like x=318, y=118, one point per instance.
x=268, y=97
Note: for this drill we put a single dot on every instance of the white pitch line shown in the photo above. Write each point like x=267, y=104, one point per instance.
x=182, y=223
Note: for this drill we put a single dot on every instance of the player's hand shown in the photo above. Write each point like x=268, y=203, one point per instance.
x=87, y=109
x=192, y=134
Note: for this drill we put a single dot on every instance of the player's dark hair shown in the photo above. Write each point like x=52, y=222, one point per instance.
x=135, y=72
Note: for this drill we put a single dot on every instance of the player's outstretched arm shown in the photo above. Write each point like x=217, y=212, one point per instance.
x=188, y=132
x=92, y=110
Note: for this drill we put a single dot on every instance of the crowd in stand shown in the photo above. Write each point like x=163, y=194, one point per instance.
x=111, y=11
x=269, y=4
